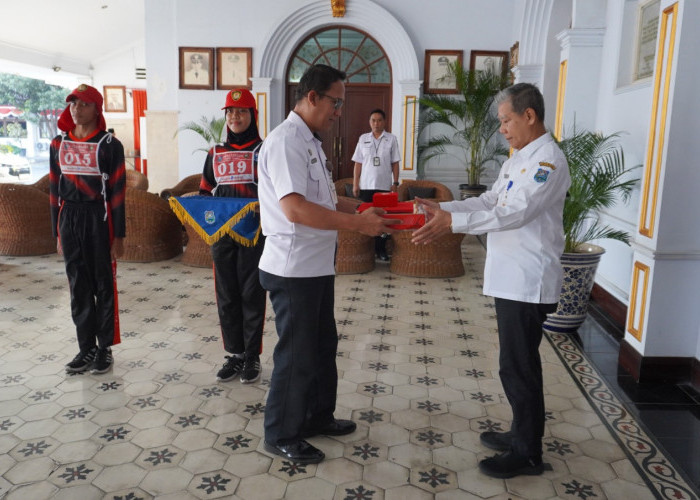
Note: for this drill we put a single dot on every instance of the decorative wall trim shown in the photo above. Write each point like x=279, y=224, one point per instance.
x=581, y=37
x=657, y=126
x=635, y=322
x=646, y=369
x=610, y=305
x=261, y=99
x=408, y=138
x=561, y=91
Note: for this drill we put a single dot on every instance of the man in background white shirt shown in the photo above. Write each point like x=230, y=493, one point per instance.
x=376, y=167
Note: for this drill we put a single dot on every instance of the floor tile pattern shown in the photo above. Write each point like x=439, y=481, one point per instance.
x=418, y=366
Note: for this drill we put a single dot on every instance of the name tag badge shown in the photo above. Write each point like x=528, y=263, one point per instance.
x=233, y=167
x=376, y=161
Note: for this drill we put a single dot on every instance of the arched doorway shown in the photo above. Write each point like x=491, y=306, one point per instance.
x=368, y=86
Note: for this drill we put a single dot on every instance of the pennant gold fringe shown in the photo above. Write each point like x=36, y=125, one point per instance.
x=226, y=228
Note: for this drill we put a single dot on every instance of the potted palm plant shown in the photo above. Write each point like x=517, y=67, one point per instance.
x=470, y=123
x=209, y=129
x=598, y=179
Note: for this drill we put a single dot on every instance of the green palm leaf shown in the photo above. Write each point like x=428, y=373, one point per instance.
x=209, y=129
x=599, y=179
x=470, y=120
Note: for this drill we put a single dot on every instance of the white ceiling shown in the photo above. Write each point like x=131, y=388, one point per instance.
x=74, y=35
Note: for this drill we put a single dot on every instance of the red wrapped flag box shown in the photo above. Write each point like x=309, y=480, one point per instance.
x=403, y=210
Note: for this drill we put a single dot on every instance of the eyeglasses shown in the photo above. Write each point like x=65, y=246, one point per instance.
x=337, y=101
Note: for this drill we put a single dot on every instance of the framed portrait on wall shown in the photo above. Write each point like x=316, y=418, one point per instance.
x=196, y=68
x=115, y=98
x=490, y=60
x=234, y=67
x=438, y=77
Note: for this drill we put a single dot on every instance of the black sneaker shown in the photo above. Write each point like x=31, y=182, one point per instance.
x=511, y=464
x=231, y=369
x=499, y=441
x=251, y=370
x=82, y=361
x=103, y=361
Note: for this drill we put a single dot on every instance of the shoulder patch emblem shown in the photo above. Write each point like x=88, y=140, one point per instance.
x=541, y=175
x=547, y=164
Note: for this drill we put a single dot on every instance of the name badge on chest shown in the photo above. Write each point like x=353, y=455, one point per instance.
x=78, y=158
x=376, y=161
x=233, y=167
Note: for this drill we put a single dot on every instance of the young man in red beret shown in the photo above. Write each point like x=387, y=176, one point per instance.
x=87, y=186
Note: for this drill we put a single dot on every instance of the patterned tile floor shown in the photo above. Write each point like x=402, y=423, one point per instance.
x=418, y=362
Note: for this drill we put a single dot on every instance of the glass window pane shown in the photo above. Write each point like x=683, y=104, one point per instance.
x=356, y=65
x=350, y=39
x=296, y=70
x=361, y=77
x=345, y=57
x=332, y=56
x=309, y=51
x=379, y=72
x=328, y=39
x=369, y=51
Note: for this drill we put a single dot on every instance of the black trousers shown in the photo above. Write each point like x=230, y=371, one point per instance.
x=379, y=241
x=85, y=241
x=304, y=381
x=240, y=298
x=519, y=335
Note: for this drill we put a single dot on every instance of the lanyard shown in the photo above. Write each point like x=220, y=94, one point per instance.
x=376, y=145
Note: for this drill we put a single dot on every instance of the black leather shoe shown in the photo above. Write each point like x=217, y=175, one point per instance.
x=499, y=441
x=511, y=464
x=337, y=427
x=300, y=452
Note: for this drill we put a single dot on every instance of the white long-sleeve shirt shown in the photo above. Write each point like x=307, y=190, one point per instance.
x=523, y=213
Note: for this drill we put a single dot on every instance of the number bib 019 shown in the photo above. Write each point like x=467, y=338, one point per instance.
x=79, y=158
x=233, y=167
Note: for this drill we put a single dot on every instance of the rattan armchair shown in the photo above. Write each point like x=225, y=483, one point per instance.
x=136, y=180
x=153, y=233
x=25, y=221
x=442, y=192
x=197, y=253
x=187, y=185
x=340, y=186
x=441, y=258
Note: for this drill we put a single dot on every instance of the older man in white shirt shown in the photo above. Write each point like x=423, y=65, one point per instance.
x=523, y=215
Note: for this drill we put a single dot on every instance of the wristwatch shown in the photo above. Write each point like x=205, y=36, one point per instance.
x=396, y=183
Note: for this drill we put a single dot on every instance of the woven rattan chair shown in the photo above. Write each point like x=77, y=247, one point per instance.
x=25, y=221
x=439, y=259
x=136, y=180
x=197, y=253
x=442, y=192
x=42, y=184
x=355, y=253
x=153, y=233
x=340, y=186
x=187, y=185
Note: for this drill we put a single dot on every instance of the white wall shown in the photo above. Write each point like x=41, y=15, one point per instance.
x=477, y=24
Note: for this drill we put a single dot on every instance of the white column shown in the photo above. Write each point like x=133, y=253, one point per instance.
x=663, y=316
x=582, y=49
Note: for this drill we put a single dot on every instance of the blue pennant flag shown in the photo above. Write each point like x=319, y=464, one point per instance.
x=212, y=217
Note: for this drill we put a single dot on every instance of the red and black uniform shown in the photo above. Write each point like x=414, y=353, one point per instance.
x=239, y=296
x=87, y=186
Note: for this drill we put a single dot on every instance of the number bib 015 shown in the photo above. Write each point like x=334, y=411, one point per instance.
x=233, y=167
x=79, y=158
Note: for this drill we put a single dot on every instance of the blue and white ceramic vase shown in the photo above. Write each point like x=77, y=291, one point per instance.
x=579, y=273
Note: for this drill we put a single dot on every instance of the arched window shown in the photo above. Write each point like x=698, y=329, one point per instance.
x=348, y=50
